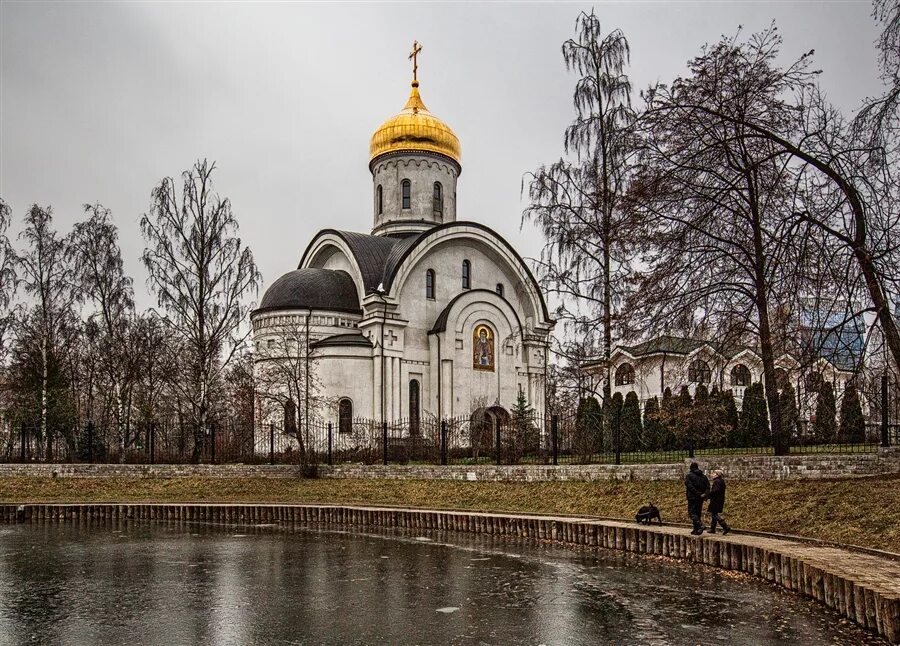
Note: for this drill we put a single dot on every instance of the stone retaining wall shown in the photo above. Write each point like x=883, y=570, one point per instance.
x=861, y=587
x=746, y=467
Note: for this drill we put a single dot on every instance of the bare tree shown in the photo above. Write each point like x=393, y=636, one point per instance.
x=721, y=248
x=48, y=277
x=8, y=280
x=827, y=153
x=286, y=379
x=577, y=204
x=99, y=269
x=201, y=274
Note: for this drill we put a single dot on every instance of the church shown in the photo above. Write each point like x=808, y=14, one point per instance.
x=426, y=314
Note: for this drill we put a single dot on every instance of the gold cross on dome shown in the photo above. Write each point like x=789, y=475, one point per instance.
x=413, y=55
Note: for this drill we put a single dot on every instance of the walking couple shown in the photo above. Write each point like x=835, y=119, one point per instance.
x=698, y=488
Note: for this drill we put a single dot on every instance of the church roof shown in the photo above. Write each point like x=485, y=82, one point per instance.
x=668, y=344
x=371, y=254
x=318, y=289
x=379, y=258
x=352, y=339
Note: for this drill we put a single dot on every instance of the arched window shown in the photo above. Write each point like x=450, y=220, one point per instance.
x=625, y=374
x=290, y=417
x=466, y=274
x=345, y=416
x=379, y=201
x=740, y=375
x=429, y=284
x=438, y=199
x=699, y=372
x=499, y=289
x=405, y=187
x=781, y=378
x=414, y=409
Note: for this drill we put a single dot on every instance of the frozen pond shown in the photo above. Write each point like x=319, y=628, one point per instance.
x=200, y=584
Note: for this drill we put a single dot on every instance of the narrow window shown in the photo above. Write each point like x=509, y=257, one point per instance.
x=438, y=199
x=290, y=417
x=345, y=416
x=379, y=201
x=414, y=407
x=429, y=284
x=500, y=288
x=466, y=274
x=405, y=191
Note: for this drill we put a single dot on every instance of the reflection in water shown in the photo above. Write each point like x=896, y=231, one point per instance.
x=126, y=583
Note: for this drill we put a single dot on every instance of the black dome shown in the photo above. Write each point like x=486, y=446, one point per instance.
x=318, y=289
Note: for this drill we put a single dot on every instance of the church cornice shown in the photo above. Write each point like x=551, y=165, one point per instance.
x=418, y=153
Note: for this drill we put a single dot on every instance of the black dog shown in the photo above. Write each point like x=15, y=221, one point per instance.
x=647, y=513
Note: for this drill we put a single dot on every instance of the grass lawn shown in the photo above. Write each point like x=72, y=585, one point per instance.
x=862, y=511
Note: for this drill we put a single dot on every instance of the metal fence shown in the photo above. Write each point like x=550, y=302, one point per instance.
x=485, y=439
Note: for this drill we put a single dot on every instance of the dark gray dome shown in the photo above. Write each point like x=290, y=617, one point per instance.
x=318, y=289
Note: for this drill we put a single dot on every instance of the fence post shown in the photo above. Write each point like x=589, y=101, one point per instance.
x=384, y=443
x=212, y=443
x=885, y=413
x=330, y=455
x=554, y=437
x=90, y=434
x=272, y=443
x=444, y=442
x=618, y=438
x=497, y=439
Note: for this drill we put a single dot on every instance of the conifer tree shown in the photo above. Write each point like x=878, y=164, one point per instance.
x=755, y=417
x=730, y=420
x=853, y=425
x=617, y=403
x=631, y=422
x=654, y=429
x=669, y=416
x=588, y=427
x=790, y=416
x=521, y=436
x=825, y=424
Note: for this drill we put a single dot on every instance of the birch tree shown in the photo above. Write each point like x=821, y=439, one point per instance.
x=576, y=202
x=48, y=277
x=202, y=275
x=100, y=273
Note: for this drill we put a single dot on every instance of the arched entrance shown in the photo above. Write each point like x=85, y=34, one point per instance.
x=483, y=424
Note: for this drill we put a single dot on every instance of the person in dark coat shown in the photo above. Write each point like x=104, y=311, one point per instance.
x=717, y=502
x=696, y=485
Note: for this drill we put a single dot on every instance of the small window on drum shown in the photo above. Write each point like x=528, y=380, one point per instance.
x=405, y=190
x=429, y=284
x=466, y=274
x=499, y=289
x=379, y=201
x=345, y=416
x=438, y=199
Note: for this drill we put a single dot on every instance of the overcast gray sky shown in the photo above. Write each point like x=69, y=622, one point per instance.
x=98, y=101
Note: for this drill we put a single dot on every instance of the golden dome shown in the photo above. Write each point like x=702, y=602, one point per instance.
x=415, y=128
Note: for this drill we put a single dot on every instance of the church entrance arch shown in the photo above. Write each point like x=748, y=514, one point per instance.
x=483, y=423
